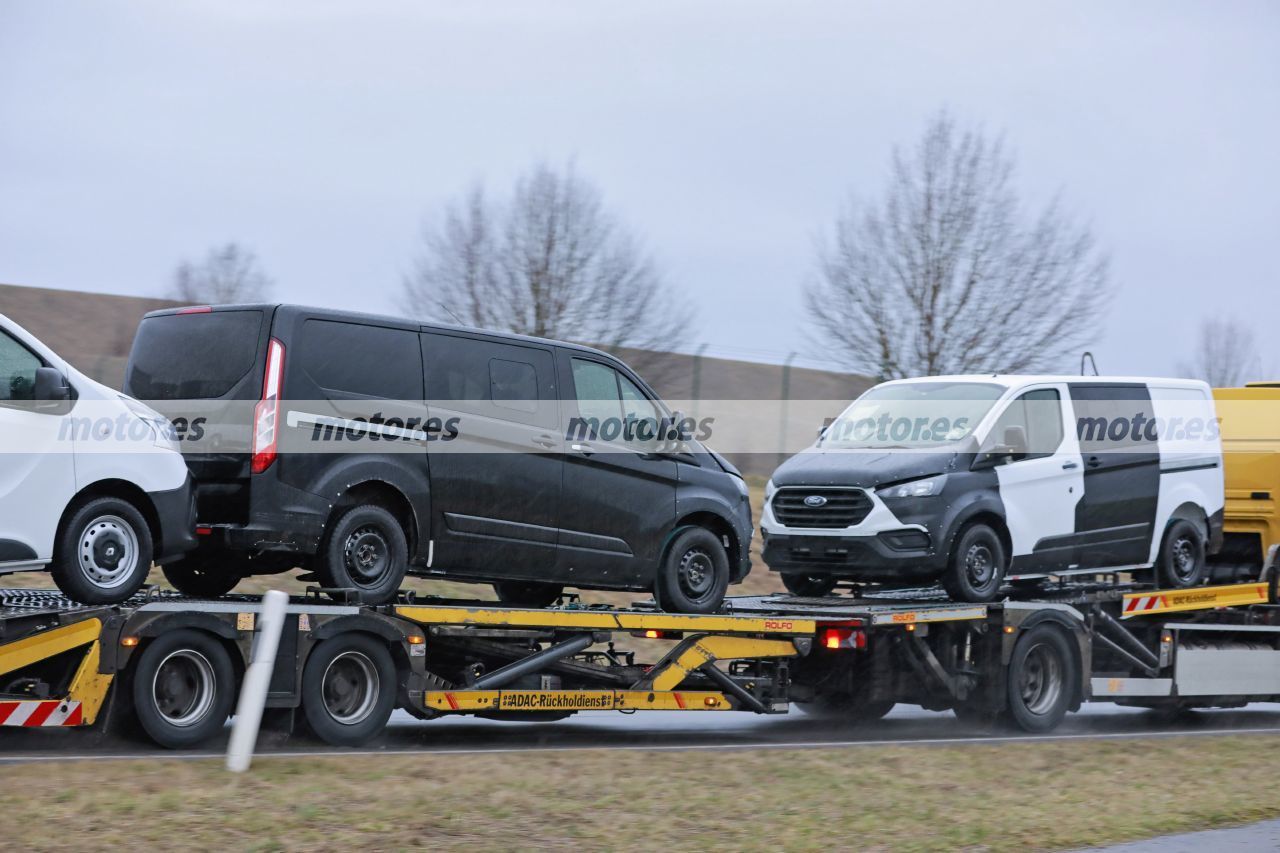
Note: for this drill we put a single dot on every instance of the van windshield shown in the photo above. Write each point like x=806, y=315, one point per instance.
x=199, y=356
x=912, y=415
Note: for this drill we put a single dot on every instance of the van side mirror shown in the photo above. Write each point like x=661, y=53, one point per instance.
x=51, y=387
x=675, y=445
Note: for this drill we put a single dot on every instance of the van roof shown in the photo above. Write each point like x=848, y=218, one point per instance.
x=1013, y=380
x=337, y=314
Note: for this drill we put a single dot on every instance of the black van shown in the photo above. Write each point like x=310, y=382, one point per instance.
x=318, y=439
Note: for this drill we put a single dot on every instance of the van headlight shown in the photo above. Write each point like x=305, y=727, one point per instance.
x=163, y=433
x=769, y=489
x=924, y=488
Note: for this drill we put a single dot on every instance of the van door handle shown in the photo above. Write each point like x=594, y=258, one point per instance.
x=584, y=449
x=544, y=441
x=1068, y=466
x=1094, y=462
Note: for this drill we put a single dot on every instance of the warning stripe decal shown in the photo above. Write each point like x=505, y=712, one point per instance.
x=34, y=713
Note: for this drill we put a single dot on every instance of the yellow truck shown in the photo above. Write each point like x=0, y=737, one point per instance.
x=1250, y=424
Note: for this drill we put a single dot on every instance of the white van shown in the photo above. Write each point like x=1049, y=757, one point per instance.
x=975, y=480
x=92, y=484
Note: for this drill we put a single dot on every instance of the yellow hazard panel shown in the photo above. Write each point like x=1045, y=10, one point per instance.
x=46, y=644
x=551, y=701
x=1200, y=598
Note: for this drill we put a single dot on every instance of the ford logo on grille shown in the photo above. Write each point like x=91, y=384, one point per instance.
x=815, y=501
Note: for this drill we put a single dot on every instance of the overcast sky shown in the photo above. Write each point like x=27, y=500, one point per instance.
x=324, y=134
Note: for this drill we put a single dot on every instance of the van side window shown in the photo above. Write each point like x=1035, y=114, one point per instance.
x=509, y=382
x=370, y=361
x=1039, y=415
x=513, y=385
x=17, y=370
x=596, y=389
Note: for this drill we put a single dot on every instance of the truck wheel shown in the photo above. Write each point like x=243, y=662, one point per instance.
x=1042, y=673
x=528, y=593
x=808, y=586
x=1182, y=556
x=183, y=687
x=694, y=573
x=348, y=689
x=366, y=551
x=103, y=552
x=977, y=565
x=202, y=576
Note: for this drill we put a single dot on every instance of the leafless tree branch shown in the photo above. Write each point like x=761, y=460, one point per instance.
x=948, y=275
x=228, y=274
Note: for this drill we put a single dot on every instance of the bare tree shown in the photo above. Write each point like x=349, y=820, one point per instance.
x=948, y=274
x=549, y=261
x=1226, y=354
x=228, y=274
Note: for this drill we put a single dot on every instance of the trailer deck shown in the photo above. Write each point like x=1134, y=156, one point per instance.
x=172, y=664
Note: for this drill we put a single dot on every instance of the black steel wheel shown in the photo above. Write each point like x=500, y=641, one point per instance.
x=366, y=551
x=808, y=586
x=977, y=565
x=204, y=576
x=694, y=574
x=1181, y=562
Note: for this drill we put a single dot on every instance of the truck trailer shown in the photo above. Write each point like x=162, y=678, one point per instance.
x=170, y=666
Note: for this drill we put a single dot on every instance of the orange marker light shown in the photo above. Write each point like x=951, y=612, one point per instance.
x=416, y=639
x=128, y=642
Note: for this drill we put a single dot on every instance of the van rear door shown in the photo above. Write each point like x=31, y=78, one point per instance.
x=202, y=368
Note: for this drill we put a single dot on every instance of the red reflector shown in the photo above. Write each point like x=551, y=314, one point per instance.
x=197, y=309
x=204, y=531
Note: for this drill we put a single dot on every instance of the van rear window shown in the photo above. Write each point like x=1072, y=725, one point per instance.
x=193, y=356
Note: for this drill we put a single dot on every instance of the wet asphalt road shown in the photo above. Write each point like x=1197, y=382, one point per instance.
x=655, y=730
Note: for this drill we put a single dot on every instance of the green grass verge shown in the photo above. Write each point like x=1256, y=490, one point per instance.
x=1045, y=796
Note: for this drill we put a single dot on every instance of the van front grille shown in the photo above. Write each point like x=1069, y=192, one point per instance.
x=838, y=508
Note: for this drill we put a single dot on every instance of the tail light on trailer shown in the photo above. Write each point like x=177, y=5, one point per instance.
x=266, y=415
x=843, y=638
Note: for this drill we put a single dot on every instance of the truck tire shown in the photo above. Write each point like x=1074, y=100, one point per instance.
x=1181, y=562
x=808, y=586
x=183, y=688
x=694, y=574
x=1042, y=676
x=365, y=550
x=977, y=565
x=203, y=576
x=348, y=689
x=103, y=552
x=529, y=594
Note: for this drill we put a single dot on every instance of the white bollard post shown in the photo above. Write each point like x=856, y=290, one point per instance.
x=257, y=678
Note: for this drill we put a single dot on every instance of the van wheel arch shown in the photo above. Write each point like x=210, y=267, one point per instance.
x=709, y=521
x=984, y=516
x=121, y=490
x=383, y=494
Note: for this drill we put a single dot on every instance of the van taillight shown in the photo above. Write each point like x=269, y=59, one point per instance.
x=196, y=309
x=266, y=415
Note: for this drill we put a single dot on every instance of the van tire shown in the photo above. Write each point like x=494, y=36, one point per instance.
x=976, y=568
x=528, y=593
x=365, y=550
x=1181, y=562
x=103, y=552
x=694, y=573
x=348, y=689
x=808, y=586
x=202, y=576
x=183, y=688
